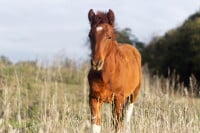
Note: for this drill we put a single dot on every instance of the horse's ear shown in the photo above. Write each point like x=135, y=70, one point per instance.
x=111, y=17
x=91, y=14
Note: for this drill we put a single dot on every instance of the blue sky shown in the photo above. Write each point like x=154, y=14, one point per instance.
x=46, y=28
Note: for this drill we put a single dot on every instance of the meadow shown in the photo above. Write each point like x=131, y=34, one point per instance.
x=54, y=99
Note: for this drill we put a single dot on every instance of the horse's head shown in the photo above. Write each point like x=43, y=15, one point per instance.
x=101, y=17
x=102, y=41
x=101, y=36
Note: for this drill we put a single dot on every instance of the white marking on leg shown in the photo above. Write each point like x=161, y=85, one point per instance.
x=94, y=117
x=129, y=112
x=95, y=128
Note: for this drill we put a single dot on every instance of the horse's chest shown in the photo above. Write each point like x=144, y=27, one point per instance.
x=105, y=91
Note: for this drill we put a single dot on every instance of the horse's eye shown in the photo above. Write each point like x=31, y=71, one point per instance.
x=109, y=37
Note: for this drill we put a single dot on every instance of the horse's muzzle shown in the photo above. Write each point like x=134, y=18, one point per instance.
x=97, y=65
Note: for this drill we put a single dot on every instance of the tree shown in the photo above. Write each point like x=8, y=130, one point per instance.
x=5, y=60
x=178, y=49
x=125, y=36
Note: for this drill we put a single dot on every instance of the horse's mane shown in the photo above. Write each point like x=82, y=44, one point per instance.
x=101, y=17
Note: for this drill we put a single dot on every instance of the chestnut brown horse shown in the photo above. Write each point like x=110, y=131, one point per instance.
x=115, y=74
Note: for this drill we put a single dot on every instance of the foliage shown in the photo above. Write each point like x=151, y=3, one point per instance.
x=178, y=49
x=125, y=36
x=5, y=60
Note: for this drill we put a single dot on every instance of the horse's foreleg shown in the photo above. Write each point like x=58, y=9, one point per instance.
x=95, y=107
x=118, y=113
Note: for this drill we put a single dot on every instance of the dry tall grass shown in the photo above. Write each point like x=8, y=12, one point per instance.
x=46, y=103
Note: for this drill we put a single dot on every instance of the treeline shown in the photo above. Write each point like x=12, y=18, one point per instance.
x=177, y=52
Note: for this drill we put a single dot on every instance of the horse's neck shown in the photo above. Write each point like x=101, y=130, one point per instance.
x=110, y=64
x=111, y=57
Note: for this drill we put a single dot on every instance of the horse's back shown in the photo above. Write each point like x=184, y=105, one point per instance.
x=131, y=51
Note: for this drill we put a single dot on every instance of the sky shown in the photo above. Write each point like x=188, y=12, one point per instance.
x=45, y=29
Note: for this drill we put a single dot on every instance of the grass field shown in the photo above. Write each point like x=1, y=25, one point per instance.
x=55, y=100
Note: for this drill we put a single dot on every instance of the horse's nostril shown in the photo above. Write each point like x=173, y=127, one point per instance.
x=99, y=63
x=93, y=62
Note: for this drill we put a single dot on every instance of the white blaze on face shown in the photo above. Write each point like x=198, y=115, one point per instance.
x=95, y=128
x=99, y=28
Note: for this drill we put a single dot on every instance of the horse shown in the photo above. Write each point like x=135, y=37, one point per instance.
x=115, y=73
